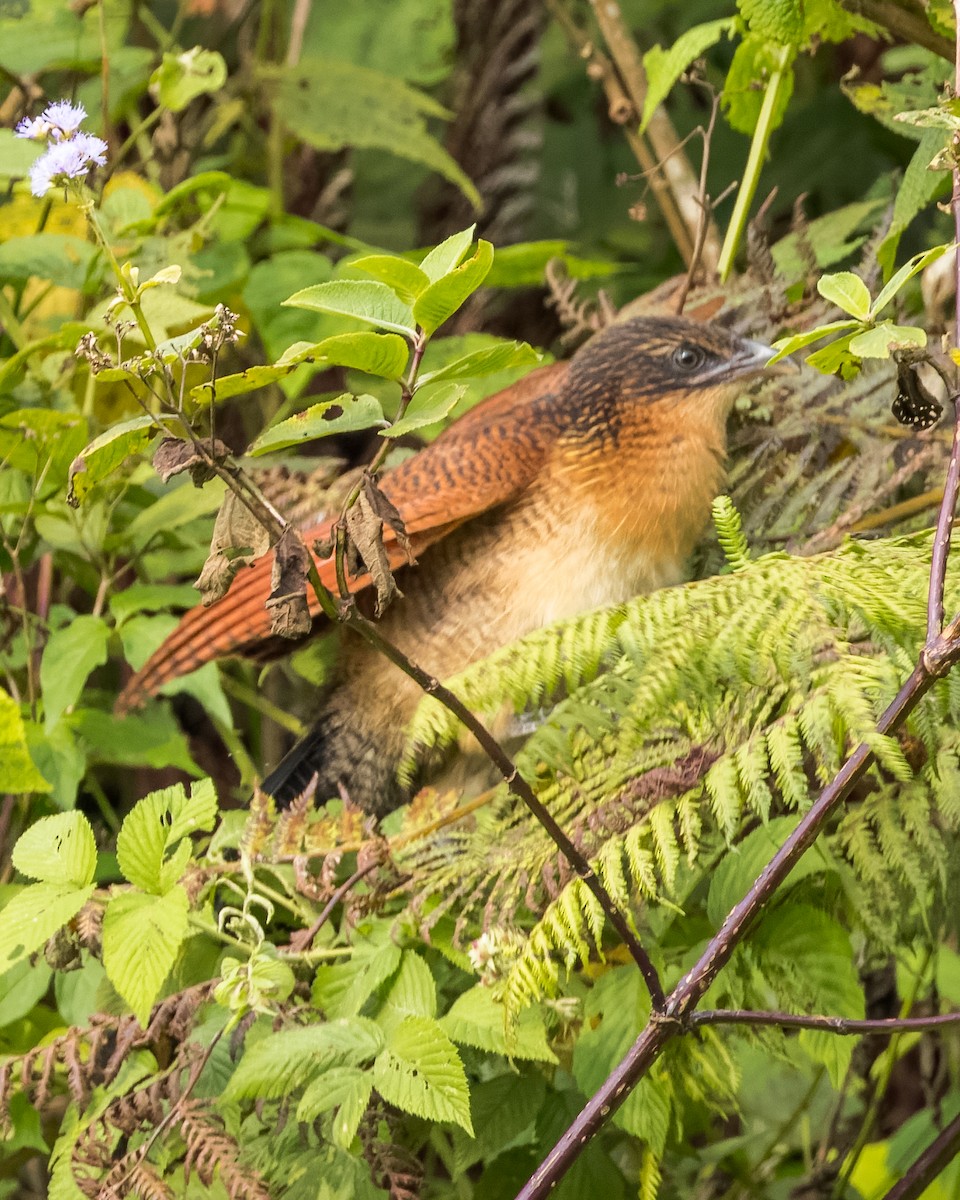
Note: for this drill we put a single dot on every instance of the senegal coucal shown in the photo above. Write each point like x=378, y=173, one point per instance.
x=584, y=484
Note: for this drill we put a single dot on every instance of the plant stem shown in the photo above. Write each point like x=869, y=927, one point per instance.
x=921, y=1173
x=755, y=160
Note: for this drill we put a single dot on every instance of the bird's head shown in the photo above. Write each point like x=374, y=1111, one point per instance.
x=662, y=367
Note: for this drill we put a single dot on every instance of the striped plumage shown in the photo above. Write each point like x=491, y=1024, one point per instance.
x=584, y=484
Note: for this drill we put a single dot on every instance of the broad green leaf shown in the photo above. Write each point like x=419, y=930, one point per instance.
x=664, y=67
x=182, y=77
x=443, y=259
x=412, y=993
x=346, y=1088
x=756, y=63
x=142, y=935
x=420, y=1072
x=846, y=291
x=18, y=772
x=331, y=104
x=646, y=1114
x=817, y=959
x=910, y=268
x=476, y=1019
x=17, y=155
x=427, y=406
x=504, y=1107
x=832, y=358
x=345, y=413
x=58, y=849
x=178, y=506
x=372, y=302
x=788, y=345
x=68, y=658
x=34, y=915
x=153, y=739
x=64, y=258
x=342, y=989
x=877, y=342
x=107, y=452
x=916, y=190
x=153, y=828
x=484, y=362
x=524, y=264
x=383, y=354
x=777, y=20
x=281, y=1062
x=21, y=988
x=442, y=298
x=400, y=275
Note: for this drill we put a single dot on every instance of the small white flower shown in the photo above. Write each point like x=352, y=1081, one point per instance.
x=64, y=118
x=69, y=159
x=33, y=127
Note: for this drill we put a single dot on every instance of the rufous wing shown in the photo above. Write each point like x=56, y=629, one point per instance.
x=484, y=460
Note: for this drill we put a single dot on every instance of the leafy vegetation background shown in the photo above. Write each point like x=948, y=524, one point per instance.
x=175, y=1017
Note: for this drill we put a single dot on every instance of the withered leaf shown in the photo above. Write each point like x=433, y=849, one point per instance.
x=366, y=537
x=238, y=539
x=174, y=456
x=287, y=604
x=387, y=511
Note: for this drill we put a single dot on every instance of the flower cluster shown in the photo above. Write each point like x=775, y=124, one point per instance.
x=70, y=152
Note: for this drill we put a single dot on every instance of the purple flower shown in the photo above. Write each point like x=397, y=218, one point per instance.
x=70, y=159
x=32, y=127
x=64, y=118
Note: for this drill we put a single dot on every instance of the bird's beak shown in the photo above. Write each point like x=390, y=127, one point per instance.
x=753, y=357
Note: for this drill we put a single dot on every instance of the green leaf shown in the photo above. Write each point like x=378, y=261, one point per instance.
x=755, y=62
x=646, y=1114
x=68, y=659
x=17, y=155
x=442, y=298
x=34, y=915
x=383, y=354
x=153, y=828
x=400, y=275
x=846, y=291
x=916, y=190
x=426, y=407
x=65, y=258
x=910, y=268
x=331, y=104
x=58, y=849
x=484, y=362
x=419, y=1071
x=18, y=772
x=664, y=67
x=476, y=1019
x=777, y=20
x=788, y=345
x=878, y=342
x=832, y=358
x=182, y=77
x=107, y=452
x=446, y=257
x=281, y=1062
x=142, y=935
x=346, y=1088
x=372, y=302
x=22, y=987
x=412, y=993
x=342, y=989
x=345, y=413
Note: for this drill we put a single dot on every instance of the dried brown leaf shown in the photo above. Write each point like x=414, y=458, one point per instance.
x=238, y=540
x=287, y=603
x=174, y=456
x=365, y=529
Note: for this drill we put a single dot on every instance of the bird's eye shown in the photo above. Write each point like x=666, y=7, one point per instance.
x=688, y=358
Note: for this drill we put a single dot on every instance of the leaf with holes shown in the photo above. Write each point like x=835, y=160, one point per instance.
x=420, y=1072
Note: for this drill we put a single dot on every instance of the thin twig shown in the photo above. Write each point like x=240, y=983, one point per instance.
x=843, y=1026
x=925, y=1169
x=301, y=940
x=706, y=204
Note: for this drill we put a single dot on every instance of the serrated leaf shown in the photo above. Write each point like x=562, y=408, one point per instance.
x=371, y=302
x=400, y=275
x=427, y=406
x=34, y=915
x=816, y=951
x=846, y=291
x=878, y=341
x=18, y=772
x=330, y=104
x=442, y=298
x=484, y=362
x=664, y=67
x=777, y=20
x=107, y=452
x=443, y=259
x=346, y=1088
x=343, y=414
x=58, y=849
x=476, y=1019
x=142, y=935
x=284, y=1061
x=69, y=656
x=412, y=993
x=420, y=1072
x=342, y=989
x=918, y=187
x=153, y=828
x=646, y=1114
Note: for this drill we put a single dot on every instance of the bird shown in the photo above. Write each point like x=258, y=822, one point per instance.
x=582, y=485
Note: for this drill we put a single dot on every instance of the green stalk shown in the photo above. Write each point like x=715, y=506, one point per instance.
x=755, y=161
